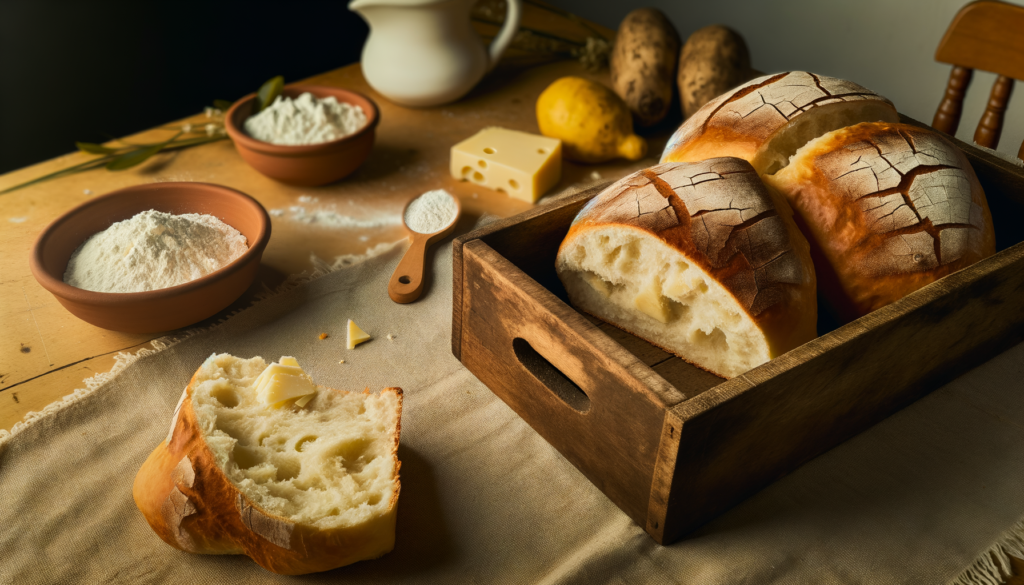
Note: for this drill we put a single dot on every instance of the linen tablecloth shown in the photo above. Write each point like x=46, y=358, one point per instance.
x=916, y=499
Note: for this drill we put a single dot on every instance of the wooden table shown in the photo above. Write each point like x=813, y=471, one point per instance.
x=47, y=352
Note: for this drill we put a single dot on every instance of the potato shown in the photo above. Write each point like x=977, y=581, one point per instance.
x=643, y=63
x=714, y=59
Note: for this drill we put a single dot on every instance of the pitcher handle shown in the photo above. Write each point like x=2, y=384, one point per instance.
x=506, y=34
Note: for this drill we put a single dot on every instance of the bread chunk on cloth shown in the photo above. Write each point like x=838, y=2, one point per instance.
x=697, y=258
x=298, y=490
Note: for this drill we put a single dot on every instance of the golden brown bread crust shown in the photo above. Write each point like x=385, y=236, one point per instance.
x=193, y=506
x=719, y=214
x=890, y=208
x=740, y=122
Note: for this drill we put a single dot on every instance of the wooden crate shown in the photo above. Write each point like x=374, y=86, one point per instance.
x=674, y=446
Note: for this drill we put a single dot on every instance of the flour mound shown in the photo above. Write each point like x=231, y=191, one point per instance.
x=431, y=212
x=305, y=120
x=153, y=250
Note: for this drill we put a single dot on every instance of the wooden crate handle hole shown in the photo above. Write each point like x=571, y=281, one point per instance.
x=553, y=379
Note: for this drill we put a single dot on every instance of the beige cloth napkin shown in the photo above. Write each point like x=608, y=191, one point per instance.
x=915, y=499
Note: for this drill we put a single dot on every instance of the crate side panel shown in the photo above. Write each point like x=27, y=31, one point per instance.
x=816, y=396
x=616, y=442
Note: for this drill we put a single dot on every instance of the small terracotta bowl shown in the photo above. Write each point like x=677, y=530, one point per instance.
x=167, y=308
x=308, y=165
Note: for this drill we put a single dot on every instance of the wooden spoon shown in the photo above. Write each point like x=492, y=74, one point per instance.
x=406, y=283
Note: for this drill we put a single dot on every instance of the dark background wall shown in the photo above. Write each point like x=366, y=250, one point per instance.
x=88, y=70
x=886, y=45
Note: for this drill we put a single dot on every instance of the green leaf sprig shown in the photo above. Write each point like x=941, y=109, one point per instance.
x=119, y=158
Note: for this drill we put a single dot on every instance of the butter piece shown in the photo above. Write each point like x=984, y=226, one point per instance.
x=651, y=302
x=599, y=284
x=283, y=387
x=356, y=335
x=522, y=165
x=271, y=370
x=281, y=382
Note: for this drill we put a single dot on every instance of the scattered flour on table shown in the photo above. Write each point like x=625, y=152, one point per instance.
x=328, y=217
x=431, y=212
x=305, y=120
x=153, y=250
x=17, y=219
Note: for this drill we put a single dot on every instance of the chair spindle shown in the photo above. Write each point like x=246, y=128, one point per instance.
x=947, y=117
x=991, y=125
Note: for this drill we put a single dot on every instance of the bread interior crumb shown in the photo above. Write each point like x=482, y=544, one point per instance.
x=814, y=123
x=662, y=297
x=329, y=464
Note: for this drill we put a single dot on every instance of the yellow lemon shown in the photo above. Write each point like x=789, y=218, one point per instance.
x=592, y=122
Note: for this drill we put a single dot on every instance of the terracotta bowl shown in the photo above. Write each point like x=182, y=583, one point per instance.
x=163, y=309
x=308, y=165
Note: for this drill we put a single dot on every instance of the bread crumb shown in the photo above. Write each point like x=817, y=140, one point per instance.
x=341, y=361
x=323, y=336
x=391, y=337
x=595, y=175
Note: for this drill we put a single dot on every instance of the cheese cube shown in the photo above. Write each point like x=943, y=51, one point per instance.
x=283, y=387
x=284, y=381
x=273, y=369
x=522, y=165
x=356, y=335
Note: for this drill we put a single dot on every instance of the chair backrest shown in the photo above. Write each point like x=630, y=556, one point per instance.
x=986, y=35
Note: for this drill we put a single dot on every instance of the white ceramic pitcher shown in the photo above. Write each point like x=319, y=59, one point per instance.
x=425, y=52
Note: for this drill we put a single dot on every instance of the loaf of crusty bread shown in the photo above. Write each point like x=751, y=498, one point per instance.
x=765, y=120
x=297, y=489
x=888, y=208
x=697, y=258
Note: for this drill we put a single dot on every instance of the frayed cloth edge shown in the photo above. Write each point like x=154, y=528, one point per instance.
x=992, y=567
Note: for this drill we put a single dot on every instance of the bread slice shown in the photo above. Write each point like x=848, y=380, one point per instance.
x=697, y=258
x=888, y=208
x=766, y=120
x=297, y=489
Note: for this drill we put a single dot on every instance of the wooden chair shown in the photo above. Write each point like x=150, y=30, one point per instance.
x=986, y=35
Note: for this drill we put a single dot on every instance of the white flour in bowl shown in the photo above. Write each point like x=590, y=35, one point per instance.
x=153, y=250
x=305, y=120
x=431, y=212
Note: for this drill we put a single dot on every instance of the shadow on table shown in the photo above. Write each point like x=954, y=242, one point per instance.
x=422, y=539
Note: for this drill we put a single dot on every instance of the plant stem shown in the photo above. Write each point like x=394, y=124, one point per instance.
x=86, y=166
x=101, y=161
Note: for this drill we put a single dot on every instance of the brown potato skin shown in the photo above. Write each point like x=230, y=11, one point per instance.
x=643, y=63
x=714, y=60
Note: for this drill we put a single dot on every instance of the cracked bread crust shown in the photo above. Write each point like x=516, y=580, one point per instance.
x=890, y=208
x=192, y=505
x=750, y=121
x=718, y=215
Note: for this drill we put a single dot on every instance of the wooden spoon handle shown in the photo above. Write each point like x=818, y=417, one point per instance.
x=406, y=283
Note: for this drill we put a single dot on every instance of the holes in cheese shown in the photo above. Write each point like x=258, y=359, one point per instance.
x=356, y=335
x=520, y=164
